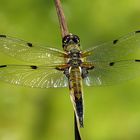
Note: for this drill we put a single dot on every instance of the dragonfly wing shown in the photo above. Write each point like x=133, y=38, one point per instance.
x=30, y=52
x=109, y=73
x=33, y=76
x=127, y=47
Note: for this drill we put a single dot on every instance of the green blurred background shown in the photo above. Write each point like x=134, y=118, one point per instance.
x=111, y=113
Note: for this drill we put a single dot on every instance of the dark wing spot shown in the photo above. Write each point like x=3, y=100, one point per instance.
x=30, y=44
x=34, y=67
x=111, y=63
x=115, y=41
x=137, y=60
x=137, y=31
x=2, y=35
x=2, y=66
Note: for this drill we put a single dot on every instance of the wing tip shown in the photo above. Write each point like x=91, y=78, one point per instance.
x=138, y=31
x=137, y=60
x=2, y=66
x=4, y=36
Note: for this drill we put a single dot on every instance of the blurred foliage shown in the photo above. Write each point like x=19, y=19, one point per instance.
x=111, y=113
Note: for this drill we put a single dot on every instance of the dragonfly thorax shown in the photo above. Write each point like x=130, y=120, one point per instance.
x=74, y=53
x=74, y=58
x=75, y=62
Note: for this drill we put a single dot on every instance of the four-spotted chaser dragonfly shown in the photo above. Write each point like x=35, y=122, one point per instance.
x=106, y=64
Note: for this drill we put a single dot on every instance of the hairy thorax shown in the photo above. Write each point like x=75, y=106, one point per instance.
x=74, y=58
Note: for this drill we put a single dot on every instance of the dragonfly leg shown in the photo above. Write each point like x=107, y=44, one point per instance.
x=84, y=73
x=85, y=69
x=66, y=72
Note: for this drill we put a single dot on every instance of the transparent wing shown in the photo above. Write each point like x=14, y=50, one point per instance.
x=127, y=47
x=30, y=52
x=33, y=76
x=109, y=73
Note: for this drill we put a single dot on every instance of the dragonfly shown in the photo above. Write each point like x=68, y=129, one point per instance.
x=106, y=64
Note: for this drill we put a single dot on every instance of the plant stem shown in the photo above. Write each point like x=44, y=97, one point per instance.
x=77, y=134
x=64, y=32
x=61, y=17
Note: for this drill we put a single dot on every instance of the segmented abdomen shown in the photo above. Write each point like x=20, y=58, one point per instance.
x=76, y=94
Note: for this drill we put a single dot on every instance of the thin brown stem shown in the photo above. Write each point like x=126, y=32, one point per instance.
x=64, y=32
x=61, y=17
x=77, y=134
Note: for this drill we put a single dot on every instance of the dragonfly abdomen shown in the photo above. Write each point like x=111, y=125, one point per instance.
x=76, y=93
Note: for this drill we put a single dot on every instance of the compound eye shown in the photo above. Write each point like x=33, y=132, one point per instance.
x=76, y=39
x=66, y=39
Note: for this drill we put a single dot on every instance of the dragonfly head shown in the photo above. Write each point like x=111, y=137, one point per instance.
x=71, y=42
